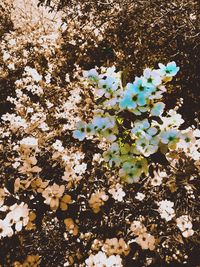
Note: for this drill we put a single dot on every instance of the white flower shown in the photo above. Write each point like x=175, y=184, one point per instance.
x=58, y=146
x=19, y=215
x=117, y=193
x=15, y=121
x=185, y=225
x=140, y=196
x=194, y=150
x=12, y=42
x=29, y=141
x=66, y=158
x=5, y=229
x=97, y=157
x=49, y=104
x=145, y=146
x=151, y=78
x=97, y=260
x=188, y=233
x=6, y=55
x=157, y=179
x=137, y=228
x=114, y=261
x=16, y=164
x=101, y=260
x=33, y=72
x=146, y=241
x=80, y=168
x=29, y=110
x=11, y=66
x=173, y=120
x=43, y=126
x=48, y=78
x=196, y=133
x=166, y=209
x=90, y=74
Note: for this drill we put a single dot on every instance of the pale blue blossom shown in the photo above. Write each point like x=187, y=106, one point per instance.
x=151, y=78
x=112, y=155
x=132, y=170
x=103, y=123
x=131, y=99
x=107, y=86
x=91, y=74
x=169, y=70
x=139, y=88
x=80, y=132
x=143, y=129
x=157, y=109
x=112, y=102
x=170, y=137
x=146, y=147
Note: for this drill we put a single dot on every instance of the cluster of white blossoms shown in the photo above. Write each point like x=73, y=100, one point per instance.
x=15, y=121
x=102, y=260
x=166, y=209
x=17, y=217
x=57, y=145
x=29, y=142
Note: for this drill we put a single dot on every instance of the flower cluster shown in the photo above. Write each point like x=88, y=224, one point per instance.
x=144, y=239
x=52, y=195
x=166, y=209
x=130, y=118
x=100, y=259
x=115, y=246
x=18, y=216
x=97, y=200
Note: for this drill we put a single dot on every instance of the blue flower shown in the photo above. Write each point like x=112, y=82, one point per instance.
x=138, y=88
x=157, y=109
x=91, y=74
x=131, y=98
x=170, y=137
x=132, y=170
x=140, y=127
x=107, y=86
x=80, y=133
x=170, y=70
x=101, y=123
x=143, y=129
x=112, y=155
x=83, y=129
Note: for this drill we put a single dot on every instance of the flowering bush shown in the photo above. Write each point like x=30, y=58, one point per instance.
x=130, y=121
x=95, y=171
